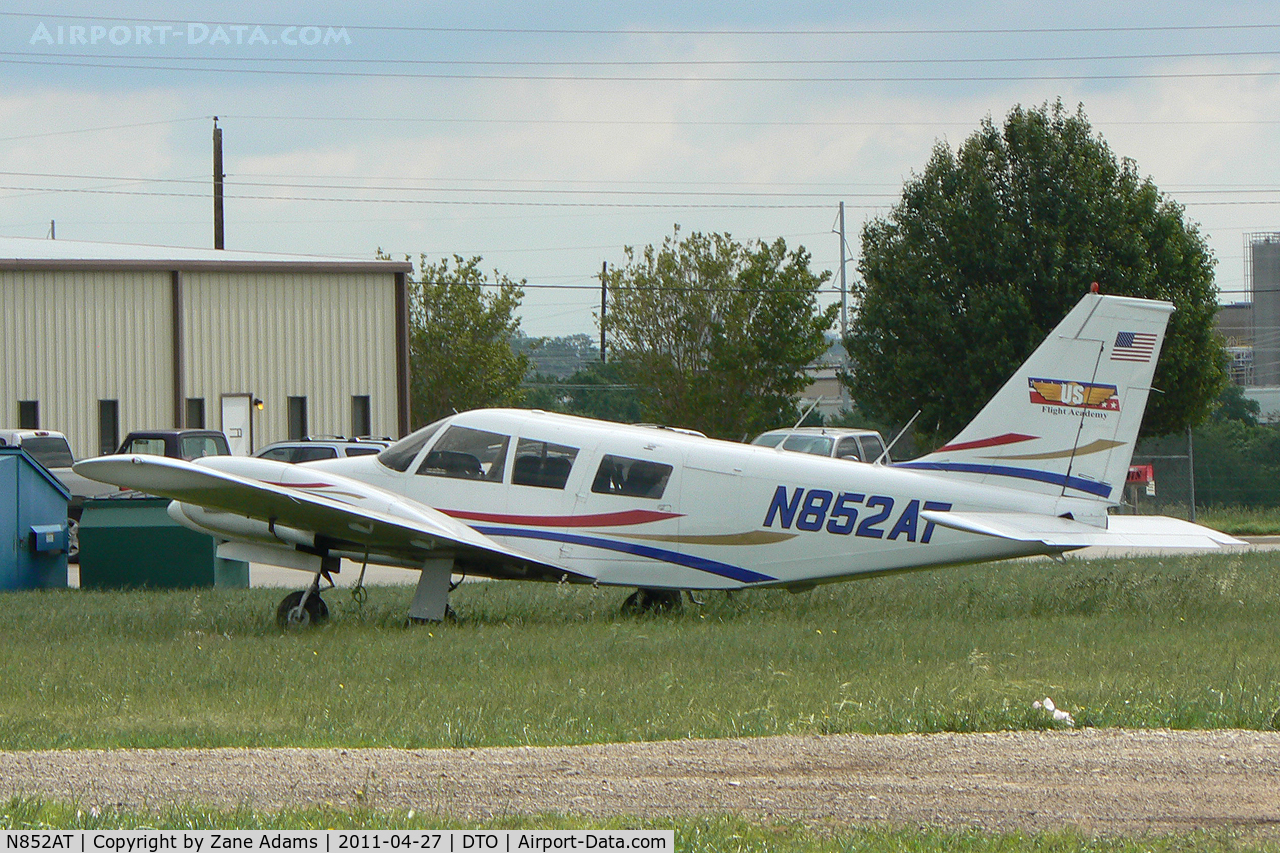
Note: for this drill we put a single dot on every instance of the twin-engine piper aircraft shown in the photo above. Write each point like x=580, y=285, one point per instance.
x=514, y=494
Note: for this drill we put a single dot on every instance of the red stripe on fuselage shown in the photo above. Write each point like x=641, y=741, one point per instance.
x=604, y=519
x=1007, y=438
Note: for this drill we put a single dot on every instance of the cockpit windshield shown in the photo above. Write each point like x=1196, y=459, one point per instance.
x=399, y=456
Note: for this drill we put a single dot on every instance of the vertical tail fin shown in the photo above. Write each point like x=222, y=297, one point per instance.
x=1067, y=421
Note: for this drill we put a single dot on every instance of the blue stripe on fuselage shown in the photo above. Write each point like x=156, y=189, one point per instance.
x=691, y=561
x=1089, y=486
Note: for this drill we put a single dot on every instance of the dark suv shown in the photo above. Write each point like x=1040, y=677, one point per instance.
x=176, y=443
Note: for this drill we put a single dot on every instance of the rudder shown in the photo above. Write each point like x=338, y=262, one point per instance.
x=1067, y=421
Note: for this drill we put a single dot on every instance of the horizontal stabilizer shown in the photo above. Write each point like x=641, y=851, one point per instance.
x=1132, y=531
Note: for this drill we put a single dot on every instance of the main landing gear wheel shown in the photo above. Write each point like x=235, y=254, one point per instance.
x=652, y=601
x=293, y=613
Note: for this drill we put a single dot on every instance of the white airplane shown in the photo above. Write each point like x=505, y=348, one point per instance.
x=518, y=494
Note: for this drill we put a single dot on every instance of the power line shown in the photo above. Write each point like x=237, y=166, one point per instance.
x=596, y=78
x=506, y=185
x=105, y=127
x=459, y=202
x=660, y=63
x=463, y=189
x=617, y=123
x=712, y=123
x=691, y=32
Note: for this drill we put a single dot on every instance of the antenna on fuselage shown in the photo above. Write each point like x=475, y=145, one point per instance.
x=885, y=452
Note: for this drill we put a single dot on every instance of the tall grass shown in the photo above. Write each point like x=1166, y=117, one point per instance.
x=1236, y=520
x=1186, y=643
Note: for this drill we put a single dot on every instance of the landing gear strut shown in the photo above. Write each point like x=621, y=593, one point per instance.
x=652, y=601
x=302, y=608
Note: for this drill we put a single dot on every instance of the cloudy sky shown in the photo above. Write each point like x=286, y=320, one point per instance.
x=546, y=137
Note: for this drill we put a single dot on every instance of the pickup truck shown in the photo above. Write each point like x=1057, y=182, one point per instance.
x=185, y=444
x=51, y=450
x=860, y=445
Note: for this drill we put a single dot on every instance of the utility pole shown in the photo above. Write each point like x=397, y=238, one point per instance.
x=844, y=310
x=604, y=304
x=53, y=229
x=217, y=185
x=844, y=291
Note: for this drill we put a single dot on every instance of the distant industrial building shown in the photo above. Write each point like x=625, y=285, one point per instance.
x=1251, y=328
x=100, y=339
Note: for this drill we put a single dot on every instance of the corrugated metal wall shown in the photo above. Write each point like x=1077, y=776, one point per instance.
x=323, y=336
x=70, y=339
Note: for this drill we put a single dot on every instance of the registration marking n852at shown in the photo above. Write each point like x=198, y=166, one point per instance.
x=837, y=513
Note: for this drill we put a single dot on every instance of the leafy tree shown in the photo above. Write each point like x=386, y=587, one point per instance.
x=991, y=246
x=715, y=334
x=596, y=391
x=559, y=356
x=1233, y=405
x=460, y=354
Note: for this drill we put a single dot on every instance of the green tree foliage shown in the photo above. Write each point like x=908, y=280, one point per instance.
x=596, y=391
x=559, y=356
x=715, y=334
x=994, y=243
x=460, y=330
x=1237, y=464
x=1233, y=405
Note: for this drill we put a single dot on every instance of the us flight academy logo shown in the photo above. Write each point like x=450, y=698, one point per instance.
x=1076, y=395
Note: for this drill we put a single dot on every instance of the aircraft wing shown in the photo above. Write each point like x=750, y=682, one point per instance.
x=341, y=513
x=1135, y=531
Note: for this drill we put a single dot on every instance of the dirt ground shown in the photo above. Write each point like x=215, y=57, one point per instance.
x=1107, y=781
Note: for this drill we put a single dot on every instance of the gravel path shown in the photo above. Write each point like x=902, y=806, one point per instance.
x=1107, y=781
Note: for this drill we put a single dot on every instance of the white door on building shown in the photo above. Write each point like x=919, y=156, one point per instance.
x=236, y=409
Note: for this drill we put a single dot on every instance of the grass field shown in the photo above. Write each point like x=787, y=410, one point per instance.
x=1236, y=520
x=1180, y=642
x=712, y=834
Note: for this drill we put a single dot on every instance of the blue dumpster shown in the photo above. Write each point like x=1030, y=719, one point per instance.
x=33, y=524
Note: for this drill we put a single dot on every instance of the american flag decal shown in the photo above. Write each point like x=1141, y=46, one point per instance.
x=1134, y=346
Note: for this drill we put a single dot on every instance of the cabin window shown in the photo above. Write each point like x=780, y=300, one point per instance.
x=633, y=478
x=467, y=454
x=542, y=464
x=399, y=456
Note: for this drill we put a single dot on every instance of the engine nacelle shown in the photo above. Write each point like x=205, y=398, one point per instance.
x=227, y=525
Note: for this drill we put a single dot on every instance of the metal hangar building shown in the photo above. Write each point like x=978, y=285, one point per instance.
x=99, y=339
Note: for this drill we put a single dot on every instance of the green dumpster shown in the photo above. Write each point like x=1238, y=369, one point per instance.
x=132, y=542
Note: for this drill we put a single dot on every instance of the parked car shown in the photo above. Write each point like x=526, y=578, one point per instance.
x=859, y=445
x=322, y=447
x=176, y=443
x=51, y=449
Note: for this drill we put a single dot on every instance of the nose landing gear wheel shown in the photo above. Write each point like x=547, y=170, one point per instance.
x=293, y=612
